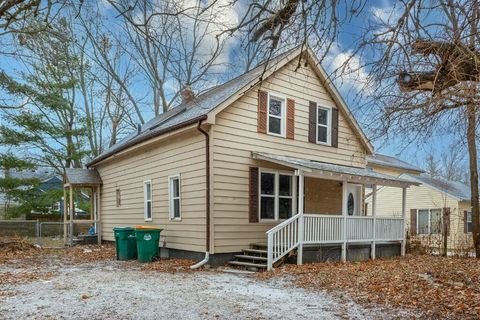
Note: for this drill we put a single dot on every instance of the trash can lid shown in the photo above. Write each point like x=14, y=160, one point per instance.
x=123, y=229
x=147, y=228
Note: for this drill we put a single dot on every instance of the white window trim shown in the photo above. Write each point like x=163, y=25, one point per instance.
x=145, y=200
x=276, y=193
x=283, y=118
x=430, y=221
x=171, y=198
x=328, y=126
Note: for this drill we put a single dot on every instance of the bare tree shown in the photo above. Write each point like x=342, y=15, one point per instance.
x=424, y=66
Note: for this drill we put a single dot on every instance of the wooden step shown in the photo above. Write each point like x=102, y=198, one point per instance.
x=259, y=246
x=257, y=251
x=244, y=256
x=248, y=264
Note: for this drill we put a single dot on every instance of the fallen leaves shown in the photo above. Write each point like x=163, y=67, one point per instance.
x=24, y=276
x=169, y=265
x=438, y=286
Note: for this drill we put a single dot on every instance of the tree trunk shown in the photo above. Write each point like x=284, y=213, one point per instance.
x=472, y=152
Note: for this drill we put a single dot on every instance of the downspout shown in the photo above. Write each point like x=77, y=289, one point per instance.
x=207, y=211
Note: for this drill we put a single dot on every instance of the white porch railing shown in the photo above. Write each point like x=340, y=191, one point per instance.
x=282, y=239
x=324, y=229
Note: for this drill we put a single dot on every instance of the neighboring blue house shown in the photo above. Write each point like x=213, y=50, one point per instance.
x=50, y=181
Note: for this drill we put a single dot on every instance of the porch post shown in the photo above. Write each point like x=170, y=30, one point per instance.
x=344, y=214
x=98, y=227
x=404, y=215
x=374, y=214
x=301, y=188
x=65, y=210
x=72, y=213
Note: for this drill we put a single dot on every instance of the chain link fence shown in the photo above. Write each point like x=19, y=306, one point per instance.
x=51, y=234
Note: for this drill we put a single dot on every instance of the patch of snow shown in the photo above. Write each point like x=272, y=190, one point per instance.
x=114, y=290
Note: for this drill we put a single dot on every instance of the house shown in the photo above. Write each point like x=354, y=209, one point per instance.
x=48, y=190
x=272, y=158
x=429, y=205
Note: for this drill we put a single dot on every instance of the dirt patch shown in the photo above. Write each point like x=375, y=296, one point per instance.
x=438, y=286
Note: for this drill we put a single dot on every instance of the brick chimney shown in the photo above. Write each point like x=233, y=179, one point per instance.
x=187, y=94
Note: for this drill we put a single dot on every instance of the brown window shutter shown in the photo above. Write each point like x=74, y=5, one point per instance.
x=335, y=128
x=413, y=222
x=312, y=122
x=253, y=195
x=465, y=221
x=446, y=219
x=262, y=112
x=290, y=119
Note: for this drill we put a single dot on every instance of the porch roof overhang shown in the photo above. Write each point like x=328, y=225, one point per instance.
x=330, y=171
x=78, y=177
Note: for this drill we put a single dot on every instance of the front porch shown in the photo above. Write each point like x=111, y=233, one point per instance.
x=350, y=225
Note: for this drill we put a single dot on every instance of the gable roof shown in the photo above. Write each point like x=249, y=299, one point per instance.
x=216, y=99
x=456, y=190
x=392, y=162
x=82, y=177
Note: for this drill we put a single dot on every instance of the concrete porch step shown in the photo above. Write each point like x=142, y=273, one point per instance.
x=248, y=264
x=247, y=257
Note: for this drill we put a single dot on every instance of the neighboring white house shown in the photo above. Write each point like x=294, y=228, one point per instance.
x=430, y=204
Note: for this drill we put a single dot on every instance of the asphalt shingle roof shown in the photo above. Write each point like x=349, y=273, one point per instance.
x=194, y=110
x=79, y=176
x=455, y=189
x=388, y=161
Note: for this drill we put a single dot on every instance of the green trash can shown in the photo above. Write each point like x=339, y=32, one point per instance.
x=147, y=243
x=125, y=243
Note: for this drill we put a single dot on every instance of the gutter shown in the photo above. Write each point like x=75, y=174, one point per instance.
x=207, y=196
x=141, y=138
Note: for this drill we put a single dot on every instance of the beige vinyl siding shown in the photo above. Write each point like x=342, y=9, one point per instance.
x=182, y=154
x=462, y=241
x=235, y=137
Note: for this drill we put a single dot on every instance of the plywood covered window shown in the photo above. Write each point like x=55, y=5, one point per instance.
x=147, y=198
x=174, y=197
x=276, y=115
x=324, y=125
x=277, y=194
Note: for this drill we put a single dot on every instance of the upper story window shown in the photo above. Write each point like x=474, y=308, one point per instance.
x=429, y=221
x=277, y=194
x=276, y=115
x=324, y=125
x=174, y=197
x=147, y=198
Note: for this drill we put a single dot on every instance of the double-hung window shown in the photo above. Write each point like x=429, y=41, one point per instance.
x=147, y=198
x=174, y=197
x=276, y=115
x=277, y=194
x=324, y=115
x=469, y=222
x=429, y=221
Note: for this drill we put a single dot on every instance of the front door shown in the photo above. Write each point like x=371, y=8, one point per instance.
x=353, y=199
